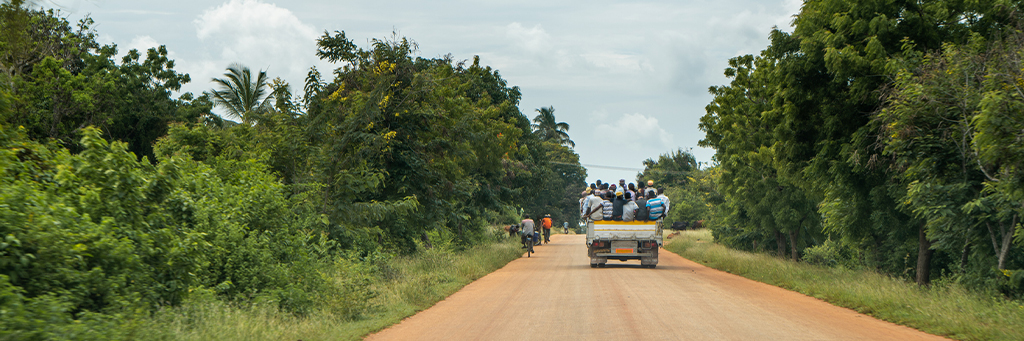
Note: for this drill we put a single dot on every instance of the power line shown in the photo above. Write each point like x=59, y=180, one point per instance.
x=639, y=170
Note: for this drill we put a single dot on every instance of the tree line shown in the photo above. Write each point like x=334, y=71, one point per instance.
x=118, y=198
x=879, y=134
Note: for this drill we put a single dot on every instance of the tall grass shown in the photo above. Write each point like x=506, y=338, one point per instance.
x=942, y=309
x=403, y=285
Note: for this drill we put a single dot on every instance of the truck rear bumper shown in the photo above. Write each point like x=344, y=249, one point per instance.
x=616, y=255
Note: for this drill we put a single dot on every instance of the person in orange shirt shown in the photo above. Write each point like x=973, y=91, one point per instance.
x=546, y=224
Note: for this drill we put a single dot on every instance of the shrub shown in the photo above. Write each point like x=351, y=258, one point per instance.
x=833, y=254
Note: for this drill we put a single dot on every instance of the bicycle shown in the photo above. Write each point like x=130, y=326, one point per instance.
x=529, y=244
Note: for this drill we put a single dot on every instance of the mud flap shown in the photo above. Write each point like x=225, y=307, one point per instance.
x=651, y=260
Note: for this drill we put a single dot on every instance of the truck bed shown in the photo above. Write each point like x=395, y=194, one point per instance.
x=622, y=230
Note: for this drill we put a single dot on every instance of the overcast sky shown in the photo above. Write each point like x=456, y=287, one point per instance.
x=607, y=67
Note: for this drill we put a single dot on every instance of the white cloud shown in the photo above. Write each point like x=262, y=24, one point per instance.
x=633, y=132
x=141, y=43
x=258, y=35
x=533, y=40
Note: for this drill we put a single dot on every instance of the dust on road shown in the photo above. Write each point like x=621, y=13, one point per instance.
x=555, y=295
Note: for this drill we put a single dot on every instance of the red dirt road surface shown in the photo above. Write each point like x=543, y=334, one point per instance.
x=556, y=295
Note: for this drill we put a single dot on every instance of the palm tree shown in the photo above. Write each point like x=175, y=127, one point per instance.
x=244, y=97
x=549, y=130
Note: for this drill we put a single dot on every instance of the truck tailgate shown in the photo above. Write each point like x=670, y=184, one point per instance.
x=633, y=230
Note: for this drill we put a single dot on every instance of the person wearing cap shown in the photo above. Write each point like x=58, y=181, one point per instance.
x=650, y=188
x=630, y=208
x=592, y=208
x=617, y=204
x=546, y=225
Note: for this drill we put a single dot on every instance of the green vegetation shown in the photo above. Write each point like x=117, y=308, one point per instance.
x=403, y=286
x=945, y=308
x=885, y=133
x=364, y=199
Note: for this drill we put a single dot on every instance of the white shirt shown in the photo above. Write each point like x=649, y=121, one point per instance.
x=665, y=200
x=629, y=210
x=592, y=201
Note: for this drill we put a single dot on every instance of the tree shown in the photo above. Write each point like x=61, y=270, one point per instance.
x=242, y=96
x=548, y=129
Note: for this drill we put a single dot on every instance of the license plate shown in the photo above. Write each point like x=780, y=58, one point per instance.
x=623, y=250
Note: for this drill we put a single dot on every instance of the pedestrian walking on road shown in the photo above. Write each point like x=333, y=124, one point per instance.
x=546, y=225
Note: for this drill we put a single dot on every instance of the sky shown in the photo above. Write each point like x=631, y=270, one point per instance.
x=630, y=78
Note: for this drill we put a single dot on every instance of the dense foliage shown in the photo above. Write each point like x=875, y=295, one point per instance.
x=117, y=199
x=881, y=131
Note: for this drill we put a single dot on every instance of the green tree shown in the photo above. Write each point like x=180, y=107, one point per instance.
x=549, y=129
x=244, y=97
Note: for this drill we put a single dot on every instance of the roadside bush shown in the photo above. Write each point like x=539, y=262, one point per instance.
x=102, y=236
x=833, y=254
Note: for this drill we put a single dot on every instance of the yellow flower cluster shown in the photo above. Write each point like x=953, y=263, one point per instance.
x=384, y=67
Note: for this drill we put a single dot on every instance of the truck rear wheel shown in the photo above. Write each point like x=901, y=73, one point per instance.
x=593, y=265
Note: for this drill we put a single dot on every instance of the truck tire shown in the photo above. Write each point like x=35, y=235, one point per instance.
x=593, y=265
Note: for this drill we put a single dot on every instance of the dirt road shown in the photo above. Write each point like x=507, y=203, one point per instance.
x=555, y=295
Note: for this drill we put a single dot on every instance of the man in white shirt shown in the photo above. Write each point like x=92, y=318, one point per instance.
x=592, y=207
x=664, y=198
x=629, y=209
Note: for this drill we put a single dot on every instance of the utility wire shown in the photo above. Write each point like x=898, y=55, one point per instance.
x=640, y=170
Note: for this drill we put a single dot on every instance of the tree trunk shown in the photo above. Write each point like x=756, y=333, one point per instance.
x=1002, y=248
x=792, y=244
x=781, y=241
x=924, y=258
x=964, y=255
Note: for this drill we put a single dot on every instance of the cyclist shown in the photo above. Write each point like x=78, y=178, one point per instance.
x=565, y=227
x=528, y=227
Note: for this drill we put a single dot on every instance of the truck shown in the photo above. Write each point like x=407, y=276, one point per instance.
x=622, y=240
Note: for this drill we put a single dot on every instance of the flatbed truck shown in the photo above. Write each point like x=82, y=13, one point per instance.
x=620, y=240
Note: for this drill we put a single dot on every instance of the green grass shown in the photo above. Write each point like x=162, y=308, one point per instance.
x=942, y=309
x=411, y=285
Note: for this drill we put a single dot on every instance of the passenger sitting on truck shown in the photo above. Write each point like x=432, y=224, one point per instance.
x=617, y=204
x=592, y=207
x=641, y=210
x=606, y=204
x=655, y=207
x=583, y=201
x=632, y=191
x=629, y=209
x=650, y=188
x=664, y=198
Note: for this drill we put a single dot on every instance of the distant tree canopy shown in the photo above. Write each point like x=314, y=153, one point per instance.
x=889, y=127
